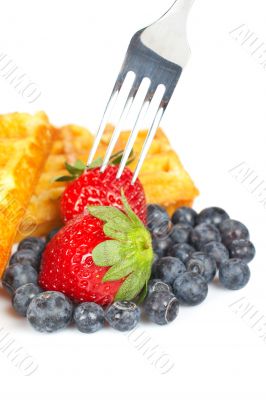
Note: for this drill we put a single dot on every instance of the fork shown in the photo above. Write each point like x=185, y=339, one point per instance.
x=156, y=55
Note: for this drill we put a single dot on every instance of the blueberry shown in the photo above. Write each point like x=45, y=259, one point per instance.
x=35, y=244
x=18, y=275
x=204, y=233
x=123, y=315
x=89, y=317
x=234, y=274
x=168, y=269
x=190, y=288
x=242, y=249
x=23, y=296
x=50, y=311
x=161, y=246
x=180, y=233
x=203, y=264
x=161, y=307
x=156, y=285
x=184, y=215
x=217, y=250
x=232, y=230
x=159, y=222
x=181, y=251
x=153, y=268
x=26, y=257
x=155, y=257
x=51, y=234
x=212, y=215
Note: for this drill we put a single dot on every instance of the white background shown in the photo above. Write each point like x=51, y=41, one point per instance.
x=216, y=120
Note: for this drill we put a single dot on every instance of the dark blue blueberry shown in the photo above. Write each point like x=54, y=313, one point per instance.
x=190, y=288
x=232, y=230
x=181, y=251
x=234, y=274
x=153, y=268
x=123, y=315
x=202, y=264
x=168, y=269
x=204, y=233
x=35, y=244
x=18, y=275
x=217, y=250
x=161, y=246
x=212, y=215
x=26, y=257
x=23, y=296
x=158, y=223
x=180, y=233
x=242, y=249
x=157, y=285
x=89, y=317
x=161, y=307
x=184, y=215
x=50, y=311
x=51, y=234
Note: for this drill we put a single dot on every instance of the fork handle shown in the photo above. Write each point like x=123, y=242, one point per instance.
x=167, y=36
x=177, y=14
x=180, y=6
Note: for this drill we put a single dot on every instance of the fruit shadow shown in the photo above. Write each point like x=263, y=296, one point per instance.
x=4, y=294
x=145, y=320
x=217, y=284
x=9, y=309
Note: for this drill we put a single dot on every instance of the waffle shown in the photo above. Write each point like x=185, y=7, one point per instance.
x=71, y=143
x=164, y=179
x=25, y=143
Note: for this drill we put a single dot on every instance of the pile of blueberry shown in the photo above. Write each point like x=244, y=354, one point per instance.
x=189, y=249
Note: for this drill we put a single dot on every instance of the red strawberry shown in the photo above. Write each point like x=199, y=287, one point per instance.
x=91, y=187
x=101, y=257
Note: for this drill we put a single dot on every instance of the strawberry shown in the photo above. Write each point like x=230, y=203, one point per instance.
x=92, y=187
x=100, y=257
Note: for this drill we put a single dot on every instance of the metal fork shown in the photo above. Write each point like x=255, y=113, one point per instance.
x=159, y=53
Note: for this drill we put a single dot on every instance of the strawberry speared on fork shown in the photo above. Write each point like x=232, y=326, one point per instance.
x=95, y=188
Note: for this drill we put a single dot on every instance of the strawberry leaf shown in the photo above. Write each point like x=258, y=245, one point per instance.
x=119, y=270
x=130, y=287
x=111, y=214
x=96, y=163
x=108, y=253
x=111, y=231
x=129, y=211
x=80, y=165
x=117, y=158
x=129, y=253
x=77, y=169
x=66, y=178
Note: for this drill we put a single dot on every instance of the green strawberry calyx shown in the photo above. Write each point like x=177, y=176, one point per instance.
x=76, y=170
x=128, y=252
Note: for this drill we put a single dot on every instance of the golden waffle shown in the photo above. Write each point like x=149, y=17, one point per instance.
x=25, y=143
x=71, y=143
x=164, y=179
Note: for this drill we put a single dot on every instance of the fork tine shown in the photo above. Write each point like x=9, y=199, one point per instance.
x=117, y=131
x=103, y=123
x=148, y=141
x=132, y=137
